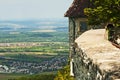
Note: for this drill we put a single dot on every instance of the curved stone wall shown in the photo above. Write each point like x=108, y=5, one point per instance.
x=95, y=58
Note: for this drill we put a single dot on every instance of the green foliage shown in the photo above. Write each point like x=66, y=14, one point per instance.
x=43, y=47
x=6, y=37
x=105, y=11
x=37, y=77
x=36, y=58
x=29, y=58
x=5, y=76
x=64, y=74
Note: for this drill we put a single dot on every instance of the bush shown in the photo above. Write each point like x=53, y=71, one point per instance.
x=64, y=74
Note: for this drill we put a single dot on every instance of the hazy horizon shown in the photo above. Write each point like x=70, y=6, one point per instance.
x=33, y=9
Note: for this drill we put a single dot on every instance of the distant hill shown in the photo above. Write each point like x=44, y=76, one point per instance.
x=28, y=26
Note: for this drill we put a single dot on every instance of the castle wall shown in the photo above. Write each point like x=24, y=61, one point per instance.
x=75, y=30
x=95, y=58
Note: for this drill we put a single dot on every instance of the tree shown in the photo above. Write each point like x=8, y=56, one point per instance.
x=64, y=74
x=104, y=11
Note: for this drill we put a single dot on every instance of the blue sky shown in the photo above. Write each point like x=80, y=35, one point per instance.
x=33, y=9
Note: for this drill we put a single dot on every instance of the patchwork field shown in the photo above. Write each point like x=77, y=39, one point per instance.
x=32, y=47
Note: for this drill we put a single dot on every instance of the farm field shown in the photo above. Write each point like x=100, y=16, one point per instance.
x=32, y=47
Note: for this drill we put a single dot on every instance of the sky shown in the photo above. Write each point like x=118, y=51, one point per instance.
x=33, y=9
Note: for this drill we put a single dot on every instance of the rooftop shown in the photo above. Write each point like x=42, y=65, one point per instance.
x=100, y=51
x=77, y=8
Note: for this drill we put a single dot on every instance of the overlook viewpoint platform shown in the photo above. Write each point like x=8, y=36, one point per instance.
x=101, y=52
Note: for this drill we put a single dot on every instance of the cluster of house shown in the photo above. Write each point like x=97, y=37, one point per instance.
x=33, y=68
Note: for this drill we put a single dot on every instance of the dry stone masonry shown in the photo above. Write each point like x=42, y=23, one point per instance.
x=95, y=58
x=92, y=56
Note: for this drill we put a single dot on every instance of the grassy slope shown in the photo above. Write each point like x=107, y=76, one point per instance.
x=10, y=76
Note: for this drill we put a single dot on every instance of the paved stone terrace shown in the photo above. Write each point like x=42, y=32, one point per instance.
x=100, y=51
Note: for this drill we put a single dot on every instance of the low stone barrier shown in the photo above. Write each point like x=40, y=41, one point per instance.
x=95, y=58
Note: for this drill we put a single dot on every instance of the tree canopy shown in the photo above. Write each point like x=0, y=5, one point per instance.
x=64, y=74
x=104, y=11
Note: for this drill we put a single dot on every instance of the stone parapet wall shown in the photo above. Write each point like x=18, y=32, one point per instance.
x=85, y=69
x=96, y=58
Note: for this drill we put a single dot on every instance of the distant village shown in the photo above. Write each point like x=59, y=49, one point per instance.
x=32, y=68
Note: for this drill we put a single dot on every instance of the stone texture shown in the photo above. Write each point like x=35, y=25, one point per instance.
x=95, y=57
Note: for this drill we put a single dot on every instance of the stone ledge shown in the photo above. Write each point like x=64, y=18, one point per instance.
x=93, y=48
